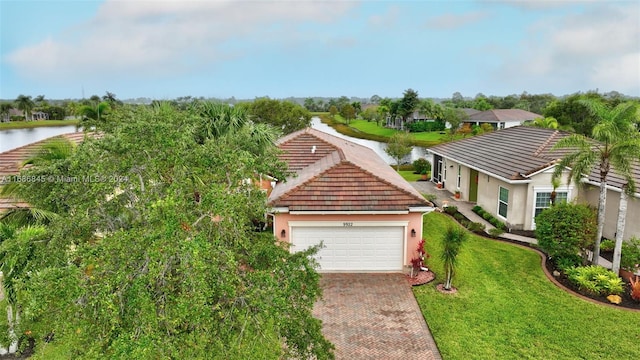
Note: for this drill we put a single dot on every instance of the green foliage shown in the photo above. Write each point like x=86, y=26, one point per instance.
x=596, y=280
x=496, y=231
x=567, y=262
x=423, y=126
x=566, y=230
x=452, y=241
x=284, y=115
x=399, y=146
x=476, y=209
x=451, y=210
x=607, y=245
x=421, y=166
x=490, y=218
x=630, y=255
x=158, y=257
x=430, y=197
x=476, y=227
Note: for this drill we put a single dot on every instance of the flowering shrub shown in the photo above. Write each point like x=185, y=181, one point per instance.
x=417, y=262
x=635, y=289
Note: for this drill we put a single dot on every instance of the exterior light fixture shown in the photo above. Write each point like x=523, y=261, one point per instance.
x=283, y=233
x=413, y=232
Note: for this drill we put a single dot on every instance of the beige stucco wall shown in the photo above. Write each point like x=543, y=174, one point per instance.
x=590, y=194
x=414, y=219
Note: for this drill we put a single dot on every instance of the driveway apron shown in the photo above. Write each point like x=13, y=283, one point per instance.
x=373, y=316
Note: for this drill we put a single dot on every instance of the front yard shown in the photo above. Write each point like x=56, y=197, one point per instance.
x=506, y=308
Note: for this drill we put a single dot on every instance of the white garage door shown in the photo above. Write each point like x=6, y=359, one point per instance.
x=367, y=248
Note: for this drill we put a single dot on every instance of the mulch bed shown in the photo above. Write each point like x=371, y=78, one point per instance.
x=627, y=301
x=423, y=277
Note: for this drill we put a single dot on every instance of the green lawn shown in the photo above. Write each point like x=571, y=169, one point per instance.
x=370, y=130
x=33, y=124
x=506, y=308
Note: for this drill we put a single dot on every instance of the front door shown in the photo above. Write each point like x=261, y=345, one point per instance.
x=473, y=185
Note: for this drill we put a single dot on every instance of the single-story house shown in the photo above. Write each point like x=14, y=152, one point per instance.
x=343, y=195
x=501, y=118
x=508, y=173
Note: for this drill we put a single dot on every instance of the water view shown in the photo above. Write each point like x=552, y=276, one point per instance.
x=376, y=146
x=14, y=138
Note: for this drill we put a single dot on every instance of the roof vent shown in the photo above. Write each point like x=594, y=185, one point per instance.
x=313, y=149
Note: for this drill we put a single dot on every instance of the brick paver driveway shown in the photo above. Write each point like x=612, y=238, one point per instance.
x=373, y=316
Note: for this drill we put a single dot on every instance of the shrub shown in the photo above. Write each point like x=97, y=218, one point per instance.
x=486, y=216
x=630, y=254
x=566, y=262
x=421, y=126
x=476, y=209
x=607, y=245
x=430, y=197
x=451, y=210
x=596, y=280
x=421, y=166
x=496, y=232
x=566, y=230
x=476, y=227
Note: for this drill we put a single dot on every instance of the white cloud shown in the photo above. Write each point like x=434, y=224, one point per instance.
x=151, y=37
x=596, y=49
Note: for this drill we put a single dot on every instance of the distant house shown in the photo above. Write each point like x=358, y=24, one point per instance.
x=39, y=115
x=36, y=115
x=501, y=118
x=508, y=173
x=343, y=195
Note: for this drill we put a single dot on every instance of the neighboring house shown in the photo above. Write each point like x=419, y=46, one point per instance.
x=501, y=118
x=508, y=173
x=39, y=115
x=344, y=195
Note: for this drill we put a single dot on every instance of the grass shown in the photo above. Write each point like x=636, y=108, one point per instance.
x=370, y=130
x=409, y=175
x=506, y=308
x=33, y=124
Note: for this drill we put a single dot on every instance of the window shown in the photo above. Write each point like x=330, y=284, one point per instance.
x=503, y=202
x=459, y=176
x=543, y=200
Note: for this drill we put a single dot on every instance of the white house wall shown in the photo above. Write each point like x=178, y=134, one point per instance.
x=590, y=194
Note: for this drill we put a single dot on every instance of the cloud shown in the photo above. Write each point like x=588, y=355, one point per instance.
x=454, y=21
x=597, y=47
x=149, y=38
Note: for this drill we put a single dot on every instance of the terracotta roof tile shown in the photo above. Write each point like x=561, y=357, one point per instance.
x=339, y=176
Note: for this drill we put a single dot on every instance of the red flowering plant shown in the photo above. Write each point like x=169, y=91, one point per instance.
x=417, y=263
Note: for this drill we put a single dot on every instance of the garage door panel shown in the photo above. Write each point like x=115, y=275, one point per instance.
x=353, y=248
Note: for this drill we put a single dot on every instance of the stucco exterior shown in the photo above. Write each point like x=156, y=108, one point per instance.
x=413, y=221
x=590, y=193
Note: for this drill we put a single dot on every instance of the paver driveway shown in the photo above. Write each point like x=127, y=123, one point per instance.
x=373, y=316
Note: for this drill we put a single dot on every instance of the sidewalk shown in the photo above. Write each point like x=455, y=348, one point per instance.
x=445, y=198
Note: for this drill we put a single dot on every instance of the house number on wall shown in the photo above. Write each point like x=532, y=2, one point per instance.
x=347, y=224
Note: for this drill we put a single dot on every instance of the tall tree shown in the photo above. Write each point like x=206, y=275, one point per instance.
x=348, y=112
x=617, y=145
x=454, y=117
x=26, y=104
x=157, y=255
x=399, y=146
x=408, y=103
x=284, y=115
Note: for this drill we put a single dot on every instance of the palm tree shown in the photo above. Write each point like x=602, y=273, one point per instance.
x=26, y=104
x=617, y=145
x=453, y=239
x=545, y=122
x=5, y=108
x=93, y=114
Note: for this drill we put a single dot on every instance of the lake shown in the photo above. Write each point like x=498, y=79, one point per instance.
x=13, y=138
x=378, y=147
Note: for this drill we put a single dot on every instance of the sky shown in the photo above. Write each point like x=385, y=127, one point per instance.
x=164, y=49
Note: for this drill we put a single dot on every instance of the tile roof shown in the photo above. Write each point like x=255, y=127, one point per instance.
x=339, y=175
x=517, y=152
x=512, y=153
x=503, y=115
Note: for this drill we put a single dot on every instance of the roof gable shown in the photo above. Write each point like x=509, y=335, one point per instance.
x=339, y=176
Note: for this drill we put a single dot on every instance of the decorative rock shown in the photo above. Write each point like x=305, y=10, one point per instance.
x=614, y=299
x=556, y=273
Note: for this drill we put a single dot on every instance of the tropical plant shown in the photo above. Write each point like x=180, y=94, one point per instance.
x=596, y=280
x=635, y=288
x=565, y=231
x=452, y=242
x=545, y=122
x=93, y=114
x=607, y=245
x=617, y=145
x=630, y=254
x=399, y=146
x=26, y=104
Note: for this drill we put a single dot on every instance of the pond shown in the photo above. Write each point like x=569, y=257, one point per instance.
x=378, y=147
x=13, y=138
